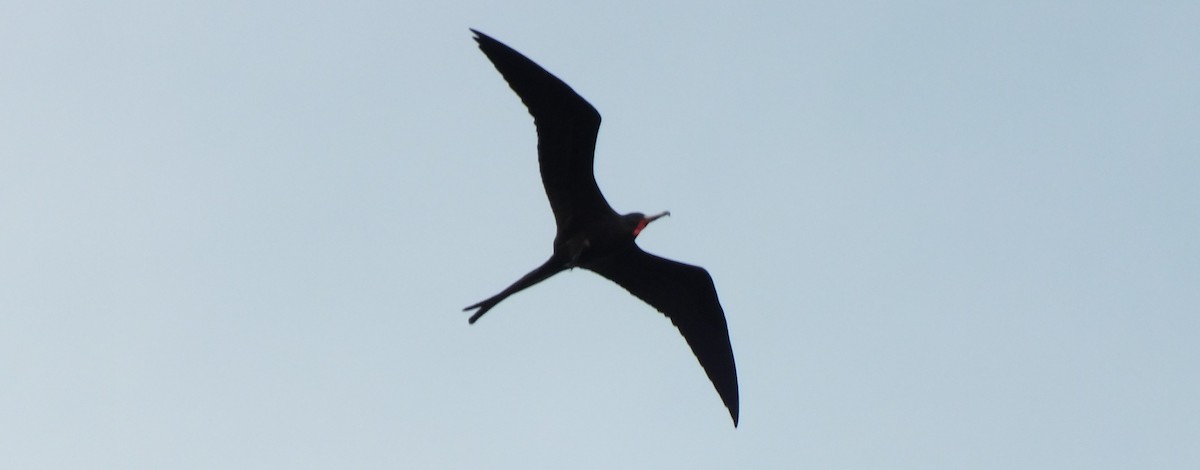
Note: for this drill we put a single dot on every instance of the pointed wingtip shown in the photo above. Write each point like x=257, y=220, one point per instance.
x=480, y=37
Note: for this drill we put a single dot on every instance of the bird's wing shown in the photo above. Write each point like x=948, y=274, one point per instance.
x=686, y=295
x=566, y=126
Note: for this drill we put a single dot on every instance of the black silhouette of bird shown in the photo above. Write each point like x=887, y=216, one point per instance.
x=591, y=235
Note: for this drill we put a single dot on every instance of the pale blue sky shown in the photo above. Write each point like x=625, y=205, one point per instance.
x=946, y=235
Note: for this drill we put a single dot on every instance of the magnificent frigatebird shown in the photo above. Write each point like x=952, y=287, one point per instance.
x=591, y=235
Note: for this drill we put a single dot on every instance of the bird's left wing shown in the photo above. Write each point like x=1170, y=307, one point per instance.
x=686, y=295
x=567, y=126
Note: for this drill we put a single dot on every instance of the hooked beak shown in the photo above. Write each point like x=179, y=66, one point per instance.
x=646, y=221
x=657, y=216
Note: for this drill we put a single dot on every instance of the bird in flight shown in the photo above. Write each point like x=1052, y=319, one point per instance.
x=591, y=235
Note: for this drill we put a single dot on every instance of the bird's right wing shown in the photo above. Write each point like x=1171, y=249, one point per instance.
x=566, y=125
x=686, y=295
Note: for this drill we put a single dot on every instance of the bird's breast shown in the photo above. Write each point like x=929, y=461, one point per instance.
x=586, y=246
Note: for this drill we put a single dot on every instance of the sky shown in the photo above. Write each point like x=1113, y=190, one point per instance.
x=946, y=235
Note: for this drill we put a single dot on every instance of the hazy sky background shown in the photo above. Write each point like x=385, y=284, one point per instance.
x=946, y=235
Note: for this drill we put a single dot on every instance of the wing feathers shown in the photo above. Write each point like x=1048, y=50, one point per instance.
x=567, y=126
x=687, y=296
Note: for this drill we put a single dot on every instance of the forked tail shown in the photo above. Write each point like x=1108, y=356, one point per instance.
x=551, y=267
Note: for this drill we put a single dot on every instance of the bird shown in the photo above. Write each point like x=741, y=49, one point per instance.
x=593, y=236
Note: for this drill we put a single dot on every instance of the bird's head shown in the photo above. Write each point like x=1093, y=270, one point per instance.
x=638, y=221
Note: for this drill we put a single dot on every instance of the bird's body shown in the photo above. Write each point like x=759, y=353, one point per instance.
x=591, y=235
